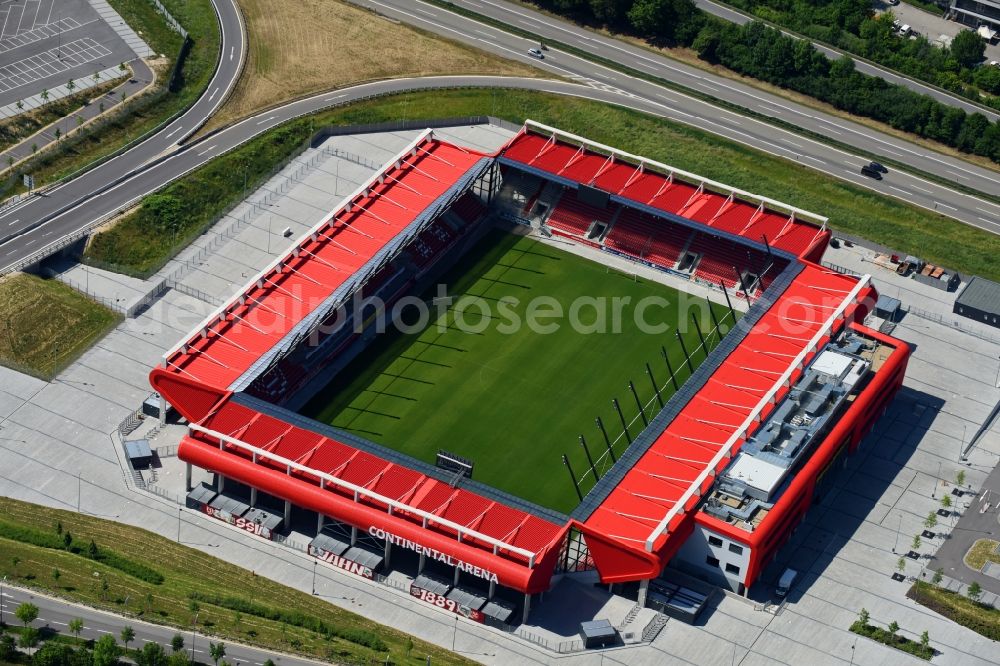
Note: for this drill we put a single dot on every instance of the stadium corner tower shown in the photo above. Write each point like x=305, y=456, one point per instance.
x=712, y=486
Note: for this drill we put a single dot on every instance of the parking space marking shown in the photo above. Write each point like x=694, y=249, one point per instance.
x=43, y=32
x=51, y=62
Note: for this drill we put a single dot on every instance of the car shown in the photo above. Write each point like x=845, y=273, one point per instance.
x=878, y=167
x=893, y=2
x=536, y=53
x=905, y=30
x=867, y=170
x=785, y=582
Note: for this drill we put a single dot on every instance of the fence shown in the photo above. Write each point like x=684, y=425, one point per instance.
x=950, y=323
x=171, y=21
x=561, y=647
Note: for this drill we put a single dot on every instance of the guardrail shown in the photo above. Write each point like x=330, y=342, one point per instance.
x=171, y=21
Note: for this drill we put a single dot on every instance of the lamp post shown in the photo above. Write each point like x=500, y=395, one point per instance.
x=2, y=581
x=194, y=624
x=314, y=576
x=937, y=479
x=179, y=511
x=899, y=526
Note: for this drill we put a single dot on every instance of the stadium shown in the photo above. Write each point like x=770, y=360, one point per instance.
x=476, y=466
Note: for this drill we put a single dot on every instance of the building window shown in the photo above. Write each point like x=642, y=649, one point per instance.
x=733, y=569
x=715, y=541
x=712, y=561
x=733, y=548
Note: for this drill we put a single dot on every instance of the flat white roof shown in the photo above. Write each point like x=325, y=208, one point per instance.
x=833, y=364
x=757, y=473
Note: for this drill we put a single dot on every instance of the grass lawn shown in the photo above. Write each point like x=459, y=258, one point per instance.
x=189, y=573
x=291, y=53
x=982, y=551
x=514, y=398
x=45, y=325
x=851, y=209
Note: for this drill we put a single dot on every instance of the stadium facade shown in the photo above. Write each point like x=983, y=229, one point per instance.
x=714, y=485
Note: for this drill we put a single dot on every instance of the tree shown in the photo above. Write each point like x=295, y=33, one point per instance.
x=79, y=120
x=151, y=654
x=75, y=626
x=53, y=654
x=893, y=628
x=930, y=522
x=915, y=544
x=56, y=575
x=127, y=635
x=27, y=613
x=7, y=648
x=946, y=502
x=863, y=617
x=100, y=107
x=67, y=540
x=19, y=104
x=124, y=95
x=925, y=641
x=122, y=67
x=44, y=95
x=968, y=48
x=960, y=477
x=178, y=659
x=29, y=637
x=71, y=85
x=34, y=149
x=177, y=643
x=938, y=576
x=58, y=133
x=974, y=591
x=97, y=76
x=901, y=565
x=10, y=161
x=662, y=20
x=217, y=651
x=92, y=551
x=106, y=651
x=268, y=663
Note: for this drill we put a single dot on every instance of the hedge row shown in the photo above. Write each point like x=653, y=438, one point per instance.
x=65, y=542
x=294, y=618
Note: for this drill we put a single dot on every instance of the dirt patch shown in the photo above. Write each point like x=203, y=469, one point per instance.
x=303, y=46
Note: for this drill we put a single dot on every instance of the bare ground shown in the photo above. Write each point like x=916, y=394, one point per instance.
x=303, y=46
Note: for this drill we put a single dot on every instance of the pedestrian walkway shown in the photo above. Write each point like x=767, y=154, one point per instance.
x=128, y=35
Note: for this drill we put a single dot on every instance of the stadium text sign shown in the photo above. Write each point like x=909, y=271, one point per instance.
x=236, y=521
x=347, y=565
x=444, y=558
x=447, y=604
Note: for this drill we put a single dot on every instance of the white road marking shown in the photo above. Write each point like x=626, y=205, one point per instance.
x=267, y=120
x=330, y=99
x=207, y=150
x=232, y=52
x=814, y=159
x=907, y=193
x=10, y=224
x=213, y=94
x=174, y=132
x=938, y=203
x=925, y=191
x=957, y=175
x=987, y=221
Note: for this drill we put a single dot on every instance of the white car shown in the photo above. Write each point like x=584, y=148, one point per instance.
x=536, y=53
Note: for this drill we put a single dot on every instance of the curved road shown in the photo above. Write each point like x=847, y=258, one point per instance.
x=74, y=206
x=17, y=223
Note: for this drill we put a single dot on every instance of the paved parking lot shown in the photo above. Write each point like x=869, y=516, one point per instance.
x=45, y=43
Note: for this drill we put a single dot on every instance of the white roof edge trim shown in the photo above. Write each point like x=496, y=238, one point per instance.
x=711, y=184
x=744, y=427
x=360, y=490
x=389, y=164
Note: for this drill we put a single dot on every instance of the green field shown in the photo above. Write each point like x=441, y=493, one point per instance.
x=513, y=399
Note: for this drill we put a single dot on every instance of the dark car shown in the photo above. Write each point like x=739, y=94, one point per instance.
x=878, y=167
x=867, y=170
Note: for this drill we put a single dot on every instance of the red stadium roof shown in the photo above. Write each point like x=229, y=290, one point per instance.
x=359, y=487
x=673, y=191
x=636, y=527
x=667, y=482
x=235, y=336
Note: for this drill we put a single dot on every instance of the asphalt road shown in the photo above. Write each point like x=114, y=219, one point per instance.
x=56, y=615
x=16, y=222
x=692, y=111
x=735, y=16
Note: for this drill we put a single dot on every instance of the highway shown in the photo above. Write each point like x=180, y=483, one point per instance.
x=433, y=18
x=734, y=15
x=70, y=208
x=56, y=615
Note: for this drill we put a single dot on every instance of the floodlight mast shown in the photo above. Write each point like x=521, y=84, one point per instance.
x=744, y=428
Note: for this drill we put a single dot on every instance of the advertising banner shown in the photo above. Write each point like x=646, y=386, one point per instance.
x=242, y=523
x=446, y=603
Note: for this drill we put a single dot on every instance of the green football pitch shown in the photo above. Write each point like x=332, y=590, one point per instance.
x=515, y=398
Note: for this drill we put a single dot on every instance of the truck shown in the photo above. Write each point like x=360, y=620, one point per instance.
x=785, y=582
